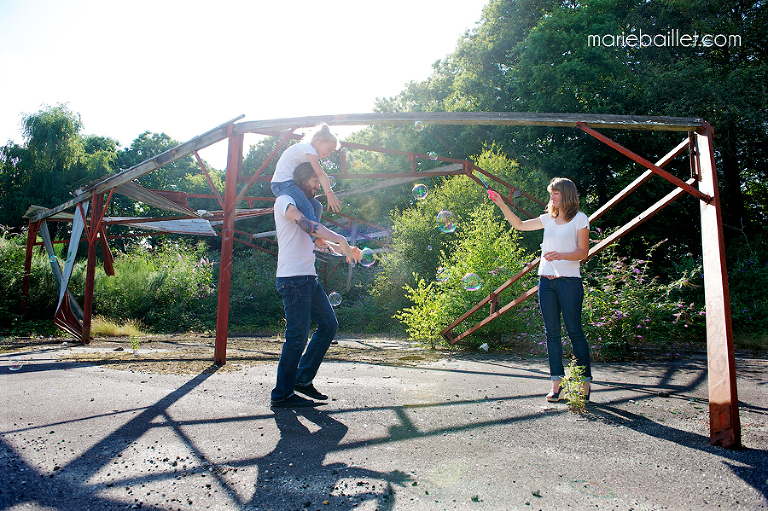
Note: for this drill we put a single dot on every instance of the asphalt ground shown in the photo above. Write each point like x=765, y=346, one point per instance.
x=469, y=432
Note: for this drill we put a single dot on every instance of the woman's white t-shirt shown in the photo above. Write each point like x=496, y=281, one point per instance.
x=292, y=158
x=561, y=238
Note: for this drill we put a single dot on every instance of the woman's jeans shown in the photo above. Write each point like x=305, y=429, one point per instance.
x=311, y=208
x=565, y=296
x=303, y=300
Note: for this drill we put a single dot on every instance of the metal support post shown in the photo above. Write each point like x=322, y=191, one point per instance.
x=724, y=424
x=234, y=162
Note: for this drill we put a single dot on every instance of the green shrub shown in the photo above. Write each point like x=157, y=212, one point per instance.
x=625, y=307
x=747, y=281
x=164, y=287
x=487, y=248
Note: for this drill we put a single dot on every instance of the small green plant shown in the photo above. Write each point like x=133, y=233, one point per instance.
x=573, y=383
x=134, y=343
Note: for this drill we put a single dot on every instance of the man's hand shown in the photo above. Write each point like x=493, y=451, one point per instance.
x=353, y=254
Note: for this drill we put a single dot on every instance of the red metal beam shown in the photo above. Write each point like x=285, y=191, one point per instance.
x=234, y=164
x=255, y=176
x=645, y=163
x=724, y=423
x=210, y=181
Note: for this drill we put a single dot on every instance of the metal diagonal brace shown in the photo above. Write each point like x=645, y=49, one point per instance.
x=645, y=163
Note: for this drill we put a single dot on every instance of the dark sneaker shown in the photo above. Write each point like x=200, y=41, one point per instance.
x=309, y=390
x=293, y=401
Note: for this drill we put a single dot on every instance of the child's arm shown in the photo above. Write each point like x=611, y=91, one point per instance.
x=333, y=202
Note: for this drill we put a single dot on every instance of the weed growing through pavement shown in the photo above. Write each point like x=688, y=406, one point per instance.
x=573, y=383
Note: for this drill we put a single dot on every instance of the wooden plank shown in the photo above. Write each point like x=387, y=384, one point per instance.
x=564, y=120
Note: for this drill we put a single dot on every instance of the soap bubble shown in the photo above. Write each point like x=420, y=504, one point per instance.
x=332, y=181
x=420, y=191
x=335, y=299
x=15, y=365
x=367, y=259
x=328, y=164
x=446, y=221
x=53, y=259
x=418, y=126
x=432, y=155
x=442, y=274
x=472, y=282
x=429, y=247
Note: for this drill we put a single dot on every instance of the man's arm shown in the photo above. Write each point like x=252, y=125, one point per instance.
x=292, y=213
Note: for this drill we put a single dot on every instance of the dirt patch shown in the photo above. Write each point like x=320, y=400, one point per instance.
x=194, y=354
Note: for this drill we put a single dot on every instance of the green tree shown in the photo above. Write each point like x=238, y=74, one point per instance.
x=148, y=145
x=49, y=164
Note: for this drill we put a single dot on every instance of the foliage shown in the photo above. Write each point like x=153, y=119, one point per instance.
x=625, y=306
x=485, y=248
x=418, y=245
x=573, y=383
x=166, y=287
x=254, y=305
x=747, y=281
x=11, y=276
x=105, y=327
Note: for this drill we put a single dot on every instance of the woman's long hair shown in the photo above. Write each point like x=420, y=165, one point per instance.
x=569, y=198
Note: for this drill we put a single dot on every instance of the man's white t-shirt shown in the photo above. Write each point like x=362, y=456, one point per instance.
x=292, y=158
x=561, y=238
x=295, y=254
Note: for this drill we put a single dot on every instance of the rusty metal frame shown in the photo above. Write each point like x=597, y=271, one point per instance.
x=724, y=420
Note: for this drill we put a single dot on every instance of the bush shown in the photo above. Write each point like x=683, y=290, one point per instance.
x=487, y=249
x=165, y=287
x=625, y=307
x=419, y=247
x=747, y=282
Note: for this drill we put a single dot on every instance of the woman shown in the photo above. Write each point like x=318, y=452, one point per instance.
x=566, y=243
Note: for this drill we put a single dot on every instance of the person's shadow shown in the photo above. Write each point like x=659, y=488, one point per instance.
x=297, y=474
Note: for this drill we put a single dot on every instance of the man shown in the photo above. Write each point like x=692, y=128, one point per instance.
x=303, y=297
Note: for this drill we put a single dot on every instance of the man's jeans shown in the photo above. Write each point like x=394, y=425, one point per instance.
x=563, y=295
x=303, y=300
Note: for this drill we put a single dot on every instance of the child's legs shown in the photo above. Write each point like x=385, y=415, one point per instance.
x=304, y=205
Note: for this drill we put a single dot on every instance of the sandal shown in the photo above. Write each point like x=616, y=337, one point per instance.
x=554, y=397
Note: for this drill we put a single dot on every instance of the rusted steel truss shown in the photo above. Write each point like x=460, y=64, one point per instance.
x=724, y=419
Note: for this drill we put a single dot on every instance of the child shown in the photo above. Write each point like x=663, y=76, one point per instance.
x=317, y=144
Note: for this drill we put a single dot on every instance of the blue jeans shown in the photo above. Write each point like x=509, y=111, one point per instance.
x=303, y=300
x=565, y=296
x=311, y=208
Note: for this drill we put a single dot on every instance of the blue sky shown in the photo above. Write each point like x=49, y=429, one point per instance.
x=185, y=67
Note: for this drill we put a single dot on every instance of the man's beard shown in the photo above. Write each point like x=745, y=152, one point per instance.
x=309, y=192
